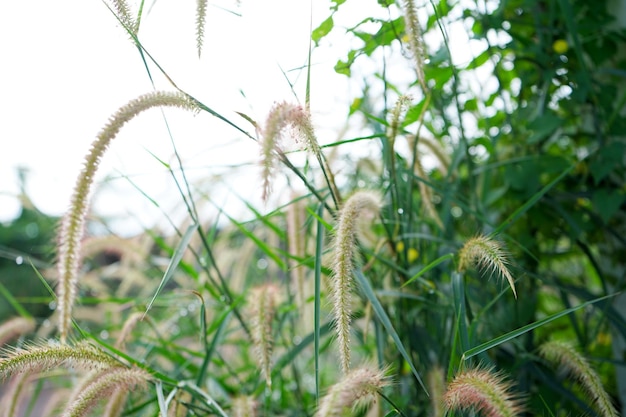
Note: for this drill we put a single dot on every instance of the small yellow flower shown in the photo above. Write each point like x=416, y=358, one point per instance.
x=412, y=254
x=400, y=247
x=560, y=46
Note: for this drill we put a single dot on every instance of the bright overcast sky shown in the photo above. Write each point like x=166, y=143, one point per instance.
x=67, y=65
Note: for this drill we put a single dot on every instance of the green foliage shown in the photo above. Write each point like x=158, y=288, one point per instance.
x=522, y=145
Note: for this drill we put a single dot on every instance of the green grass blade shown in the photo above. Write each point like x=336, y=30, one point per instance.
x=524, y=329
x=428, y=268
x=260, y=244
x=384, y=319
x=458, y=288
x=527, y=205
x=14, y=303
x=297, y=349
x=178, y=255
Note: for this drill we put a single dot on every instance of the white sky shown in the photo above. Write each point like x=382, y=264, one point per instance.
x=67, y=65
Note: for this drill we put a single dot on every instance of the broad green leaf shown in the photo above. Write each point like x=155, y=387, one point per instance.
x=322, y=30
x=543, y=127
x=531, y=202
x=607, y=203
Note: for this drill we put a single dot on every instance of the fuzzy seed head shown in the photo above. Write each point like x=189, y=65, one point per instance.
x=244, y=406
x=37, y=358
x=414, y=34
x=484, y=391
x=565, y=355
x=281, y=116
x=345, y=245
x=201, y=6
x=73, y=223
x=263, y=301
x=104, y=386
x=487, y=254
x=436, y=382
x=357, y=389
x=124, y=15
x=129, y=325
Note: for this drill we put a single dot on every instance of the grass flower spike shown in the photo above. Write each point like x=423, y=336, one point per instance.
x=201, y=6
x=244, y=406
x=566, y=356
x=483, y=391
x=357, y=389
x=73, y=224
x=486, y=253
x=436, y=382
x=263, y=301
x=342, y=268
x=104, y=386
x=38, y=358
x=414, y=34
x=282, y=116
x=124, y=15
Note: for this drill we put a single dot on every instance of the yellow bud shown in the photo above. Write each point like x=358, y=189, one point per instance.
x=412, y=254
x=560, y=46
x=400, y=247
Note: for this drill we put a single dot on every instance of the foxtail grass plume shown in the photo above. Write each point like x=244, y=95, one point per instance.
x=105, y=385
x=244, y=406
x=201, y=6
x=345, y=245
x=396, y=114
x=263, y=301
x=416, y=43
x=296, y=240
x=73, y=223
x=282, y=116
x=486, y=253
x=565, y=355
x=129, y=326
x=483, y=391
x=357, y=389
x=436, y=383
x=14, y=328
x=36, y=358
x=116, y=403
x=123, y=13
